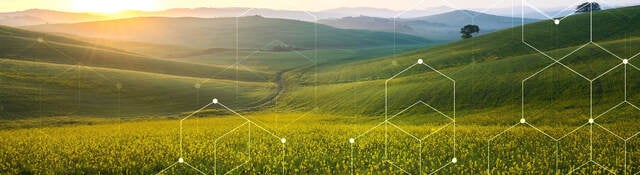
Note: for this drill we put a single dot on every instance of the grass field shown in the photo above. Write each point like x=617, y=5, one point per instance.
x=316, y=145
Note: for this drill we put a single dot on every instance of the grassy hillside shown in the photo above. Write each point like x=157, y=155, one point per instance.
x=268, y=61
x=33, y=46
x=253, y=32
x=48, y=75
x=489, y=71
x=45, y=89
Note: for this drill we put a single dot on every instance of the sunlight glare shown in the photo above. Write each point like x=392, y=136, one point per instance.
x=111, y=6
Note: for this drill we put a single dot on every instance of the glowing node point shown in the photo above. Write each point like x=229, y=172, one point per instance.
x=454, y=160
x=283, y=140
x=41, y=40
x=591, y=121
x=420, y=61
x=197, y=85
x=352, y=140
x=556, y=21
x=625, y=61
x=180, y=160
x=215, y=101
x=523, y=121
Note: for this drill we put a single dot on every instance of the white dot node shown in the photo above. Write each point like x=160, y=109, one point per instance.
x=352, y=140
x=197, y=85
x=283, y=140
x=454, y=160
x=180, y=160
x=523, y=121
x=420, y=61
x=215, y=101
x=625, y=61
x=556, y=21
x=591, y=121
x=40, y=40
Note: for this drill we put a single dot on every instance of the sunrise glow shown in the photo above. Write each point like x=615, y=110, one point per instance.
x=111, y=6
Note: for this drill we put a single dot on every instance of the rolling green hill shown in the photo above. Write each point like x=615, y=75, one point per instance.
x=59, y=75
x=36, y=89
x=33, y=46
x=489, y=71
x=48, y=75
x=254, y=32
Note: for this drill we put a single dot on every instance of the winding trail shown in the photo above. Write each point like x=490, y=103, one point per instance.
x=280, y=83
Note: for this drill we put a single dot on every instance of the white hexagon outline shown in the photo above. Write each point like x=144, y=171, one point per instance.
x=591, y=121
x=386, y=122
x=522, y=27
x=247, y=122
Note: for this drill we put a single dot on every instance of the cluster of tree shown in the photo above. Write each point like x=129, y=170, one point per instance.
x=588, y=7
x=467, y=30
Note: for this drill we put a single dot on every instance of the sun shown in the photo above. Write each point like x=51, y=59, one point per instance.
x=111, y=6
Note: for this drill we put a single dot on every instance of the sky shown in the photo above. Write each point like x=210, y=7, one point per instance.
x=309, y=5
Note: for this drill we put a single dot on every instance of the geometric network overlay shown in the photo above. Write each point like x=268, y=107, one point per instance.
x=388, y=123
x=591, y=124
x=248, y=123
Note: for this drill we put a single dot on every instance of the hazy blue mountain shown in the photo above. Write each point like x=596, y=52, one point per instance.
x=384, y=13
x=445, y=26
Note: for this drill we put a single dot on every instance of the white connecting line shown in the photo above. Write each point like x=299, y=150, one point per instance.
x=387, y=122
x=593, y=120
x=248, y=122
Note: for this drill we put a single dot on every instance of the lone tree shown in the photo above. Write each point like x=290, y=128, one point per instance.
x=588, y=7
x=467, y=30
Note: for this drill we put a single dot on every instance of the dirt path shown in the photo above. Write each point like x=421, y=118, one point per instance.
x=280, y=83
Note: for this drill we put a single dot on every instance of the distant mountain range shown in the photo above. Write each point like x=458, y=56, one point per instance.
x=386, y=13
x=39, y=16
x=443, y=26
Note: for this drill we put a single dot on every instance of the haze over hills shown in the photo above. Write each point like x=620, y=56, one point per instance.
x=385, y=13
x=255, y=32
x=443, y=26
x=41, y=16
